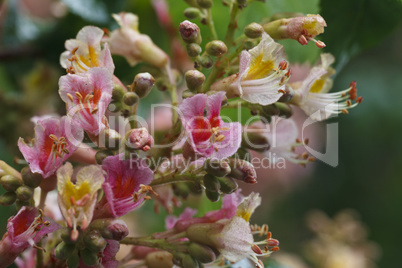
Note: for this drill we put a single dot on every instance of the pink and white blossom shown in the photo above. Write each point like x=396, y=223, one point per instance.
x=207, y=134
x=25, y=229
x=263, y=73
x=86, y=52
x=55, y=140
x=124, y=179
x=87, y=97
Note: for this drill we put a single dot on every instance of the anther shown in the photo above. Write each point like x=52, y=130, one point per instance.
x=320, y=44
x=359, y=100
x=275, y=249
x=74, y=50
x=306, y=141
x=302, y=40
x=281, y=91
x=348, y=103
x=70, y=97
x=79, y=96
x=269, y=235
x=256, y=249
x=283, y=64
x=344, y=111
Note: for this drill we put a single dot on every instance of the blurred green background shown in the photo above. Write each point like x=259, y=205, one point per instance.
x=364, y=35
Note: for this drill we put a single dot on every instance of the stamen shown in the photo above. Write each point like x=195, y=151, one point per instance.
x=256, y=249
x=283, y=64
x=74, y=50
x=79, y=96
x=70, y=97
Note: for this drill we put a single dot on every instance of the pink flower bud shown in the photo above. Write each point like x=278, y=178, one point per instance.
x=139, y=139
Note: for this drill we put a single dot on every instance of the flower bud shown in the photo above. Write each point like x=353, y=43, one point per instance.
x=118, y=92
x=10, y=183
x=206, y=61
x=242, y=170
x=187, y=94
x=194, y=80
x=24, y=193
x=139, y=139
x=255, y=141
x=270, y=110
x=114, y=229
x=202, y=253
x=249, y=44
x=213, y=196
x=161, y=84
x=142, y=85
x=88, y=257
x=64, y=250
x=130, y=98
x=73, y=260
x=180, y=190
x=216, y=48
x=285, y=110
x=159, y=259
x=190, y=32
x=94, y=241
x=8, y=198
x=211, y=183
x=100, y=156
x=205, y=3
x=192, y=13
x=216, y=167
x=65, y=235
x=253, y=30
x=302, y=29
x=243, y=154
x=188, y=262
x=19, y=204
x=115, y=106
x=194, y=188
x=109, y=138
x=241, y=3
x=228, y=185
x=193, y=50
x=31, y=179
x=288, y=95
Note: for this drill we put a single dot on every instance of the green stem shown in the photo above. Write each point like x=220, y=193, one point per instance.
x=173, y=94
x=39, y=255
x=232, y=26
x=210, y=22
x=149, y=242
x=43, y=195
x=161, y=179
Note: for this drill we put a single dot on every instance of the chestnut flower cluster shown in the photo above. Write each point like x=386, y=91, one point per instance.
x=101, y=172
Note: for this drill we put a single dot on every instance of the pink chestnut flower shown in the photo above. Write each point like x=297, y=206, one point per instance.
x=25, y=229
x=87, y=97
x=124, y=179
x=55, y=140
x=207, y=134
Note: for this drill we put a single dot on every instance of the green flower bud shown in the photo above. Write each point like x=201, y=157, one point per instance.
x=161, y=84
x=289, y=93
x=206, y=61
x=255, y=141
x=65, y=235
x=73, y=260
x=114, y=229
x=216, y=167
x=24, y=193
x=109, y=138
x=249, y=44
x=94, y=241
x=193, y=50
x=10, y=183
x=181, y=190
x=270, y=110
x=8, y=198
x=190, y=32
x=194, y=188
x=228, y=185
x=64, y=250
x=159, y=259
x=194, y=80
x=284, y=109
x=216, y=48
x=88, y=257
x=202, y=253
x=31, y=179
x=101, y=155
x=192, y=13
x=242, y=170
x=115, y=106
x=205, y=3
x=211, y=183
x=143, y=83
x=118, y=92
x=212, y=196
x=242, y=3
x=187, y=94
x=188, y=262
x=253, y=30
x=130, y=98
x=243, y=154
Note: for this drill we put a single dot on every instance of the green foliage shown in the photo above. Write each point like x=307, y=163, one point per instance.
x=354, y=26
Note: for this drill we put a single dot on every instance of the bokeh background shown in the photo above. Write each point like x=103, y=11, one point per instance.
x=364, y=35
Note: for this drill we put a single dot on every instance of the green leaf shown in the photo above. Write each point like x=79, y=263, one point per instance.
x=354, y=26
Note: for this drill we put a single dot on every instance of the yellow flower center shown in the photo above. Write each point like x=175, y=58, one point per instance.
x=75, y=192
x=317, y=86
x=259, y=68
